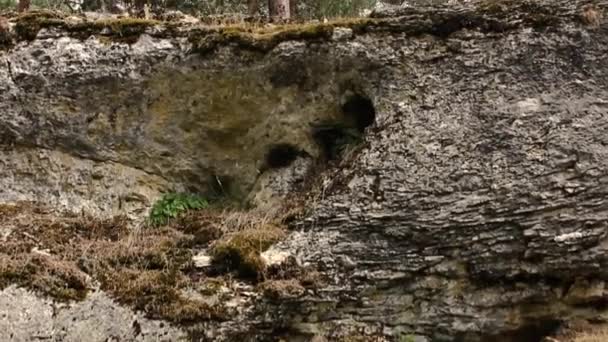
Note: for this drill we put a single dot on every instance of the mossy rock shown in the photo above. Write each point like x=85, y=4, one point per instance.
x=157, y=293
x=123, y=29
x=56, y=278
x=241, y=251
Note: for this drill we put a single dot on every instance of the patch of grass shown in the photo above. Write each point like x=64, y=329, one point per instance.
x=592, y=335
x=157, y=293
x=173, y=204
x=580, y=331
x=592, y=15
x=56, y=255
x=281, y=289
x=56, y=278
x=241, y=251
x=164, y=249
x=204, y=225
x=62, y=255
x=124, y=29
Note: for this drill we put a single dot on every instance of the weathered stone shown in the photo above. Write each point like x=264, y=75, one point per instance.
x=27, y=317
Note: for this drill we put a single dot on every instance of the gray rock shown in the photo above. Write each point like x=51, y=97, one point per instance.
x=26, y=317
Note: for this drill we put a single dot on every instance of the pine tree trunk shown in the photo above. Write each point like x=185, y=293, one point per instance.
x=279, y=9
x=23, y=6
x=252, y=7
x=293, y=8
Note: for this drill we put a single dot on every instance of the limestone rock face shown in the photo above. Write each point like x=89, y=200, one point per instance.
x=153, y=116
x=27, y=317
x=475, y=211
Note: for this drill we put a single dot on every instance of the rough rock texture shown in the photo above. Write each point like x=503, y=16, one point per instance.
x=163, y=116
x=27, y=317
x=476, y=210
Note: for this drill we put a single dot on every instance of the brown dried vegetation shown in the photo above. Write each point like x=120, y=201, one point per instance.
x=66, y=255
x=580, y=331
x=592, y=16
x=240, y=251
x=62, y=256
x=281, y=289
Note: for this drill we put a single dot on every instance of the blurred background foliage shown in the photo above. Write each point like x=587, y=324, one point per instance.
x=304, y=9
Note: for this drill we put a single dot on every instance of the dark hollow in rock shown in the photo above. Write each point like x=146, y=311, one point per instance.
x=533, y=332
x=327, y=137
x=360, y=111
x=281, y=155
x=220, y=187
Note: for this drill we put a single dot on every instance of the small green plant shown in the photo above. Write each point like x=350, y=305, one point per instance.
x=407, y=338
x=172, y=204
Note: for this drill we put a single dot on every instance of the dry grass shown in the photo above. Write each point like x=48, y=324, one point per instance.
x=240, y=251
x=281, y=289
x=157, y=293
x=580, y=331
x=598, y=335
x=46, y=274
x=592, y=15
x=150, y=269
x=57, y=256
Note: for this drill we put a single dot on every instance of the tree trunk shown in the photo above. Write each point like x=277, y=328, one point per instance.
x=252, y=7
x=23, y=6
x=293, y=8
x=279, y=9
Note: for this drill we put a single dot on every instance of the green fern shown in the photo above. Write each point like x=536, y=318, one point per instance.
x=172, y=204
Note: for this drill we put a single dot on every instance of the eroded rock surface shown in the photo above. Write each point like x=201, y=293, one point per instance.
x=475, y=210
x=155, y=109
x=27, y=317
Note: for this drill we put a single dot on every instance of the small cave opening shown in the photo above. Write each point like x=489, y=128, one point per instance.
x=331, y=138
x=281, y=155
x=532, y=332
x=219, y=187
x=360, y=111
x=337, y=137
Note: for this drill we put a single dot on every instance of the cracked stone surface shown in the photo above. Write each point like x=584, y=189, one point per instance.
x=27, y=317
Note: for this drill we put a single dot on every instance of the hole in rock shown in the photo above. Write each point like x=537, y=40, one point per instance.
x=219, y=187
x=533, y=332
x=334, y=138
x=330, y=138
x=281, y=155
x=360, y=111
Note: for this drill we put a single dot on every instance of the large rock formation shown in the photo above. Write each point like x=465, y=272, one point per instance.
x=474, y=211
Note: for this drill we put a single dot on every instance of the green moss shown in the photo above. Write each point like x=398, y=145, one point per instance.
x=28, y=25
x=267, y=38
x=156, y=293
x=488, y=16
x=241, y=251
